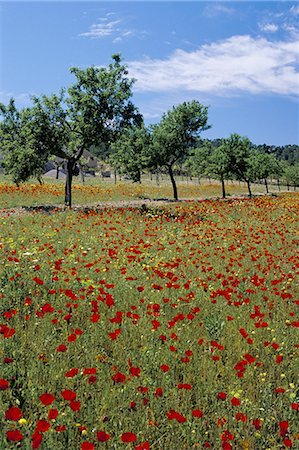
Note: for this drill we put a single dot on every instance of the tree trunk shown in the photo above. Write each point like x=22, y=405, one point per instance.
x=266, y=184
x=278, y=184
x=115, y=177
x=57, y=172
x=223, y=187
x=248, y=187
x=82, y=175
x=157, y=178
x=68, y=182
x=70, y=166
x=175, y=191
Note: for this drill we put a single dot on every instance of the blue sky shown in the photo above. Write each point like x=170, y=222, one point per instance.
x=239, y=58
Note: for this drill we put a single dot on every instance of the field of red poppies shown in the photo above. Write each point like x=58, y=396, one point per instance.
x=152, y=327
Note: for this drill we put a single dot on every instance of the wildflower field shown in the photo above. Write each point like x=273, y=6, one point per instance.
x=96, y=189
x=161, y=328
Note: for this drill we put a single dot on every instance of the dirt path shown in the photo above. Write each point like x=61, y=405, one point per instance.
x=48, y=209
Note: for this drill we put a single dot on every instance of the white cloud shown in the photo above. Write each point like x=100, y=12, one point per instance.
x=102, y=29
x=268, y=27
x=216, y=9
x=295, y=10
x=240, y=63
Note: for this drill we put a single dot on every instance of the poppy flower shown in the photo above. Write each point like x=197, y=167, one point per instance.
x=174, y=415
x=13, y=413
x=52, y=414
x=143, y=446
x=283, y=427
x=61, y=348
x=164, y=368
x=197, y=413
x=235, y=401
x=119, y=377
x=75, y=405
x=71, y=373
x=128, y=437
x=68, y=395
x=42, y=426
x=14, y=435
x=102, y=436
x=37, y=438
x=47, y=398
x=87, y=446
x=221, y=395
x=4, y=384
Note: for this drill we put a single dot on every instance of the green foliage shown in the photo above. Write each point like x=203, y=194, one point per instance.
x=263, y=165
x=175, y=135
x=130, y=152
x=97, y=109
x=291, y=174
x=197, y=161
x=99, y=103
x=177, y=132
x=22, y=145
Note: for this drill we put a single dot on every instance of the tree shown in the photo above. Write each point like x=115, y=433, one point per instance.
x=18, y=144
x=197, y=161
x=219, y=165
x=238, y=149
x=175, y=135
x=263, y=165
x=129, y=154
x=94, y=113
x=291, y=175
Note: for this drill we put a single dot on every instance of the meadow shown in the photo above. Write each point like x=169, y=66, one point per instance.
x=95, y=190
x=149, y=327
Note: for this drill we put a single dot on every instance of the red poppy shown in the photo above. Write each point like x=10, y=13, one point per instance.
x=61, y=348
x=102, y=436
x=164, y=368
x=283, y=427
x=221, y=395
x=119, y=377
x=42, y=426
x=128, y=437
x=38, y=281
x=279, y=359
x=4, y=384
x=256, y=423
x=143, y=446
x=69, y=395
x=90, y=371
x=71, y=373
x=14, y=435
x=197, y=413
x=235, y=401
x=47, y=398
x=288, y=443
x=75, y=405
x=174, y=415
x=52, y=414
x=87, y=446
x=188, y=387
x=37, y=438
x=13, y=413
x=158, y=392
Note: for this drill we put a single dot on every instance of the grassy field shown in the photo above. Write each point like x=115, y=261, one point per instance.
x=149, y=328
x=96, y=190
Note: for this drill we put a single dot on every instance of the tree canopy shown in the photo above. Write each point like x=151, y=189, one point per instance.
x=94, y=111
x=176, y=134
